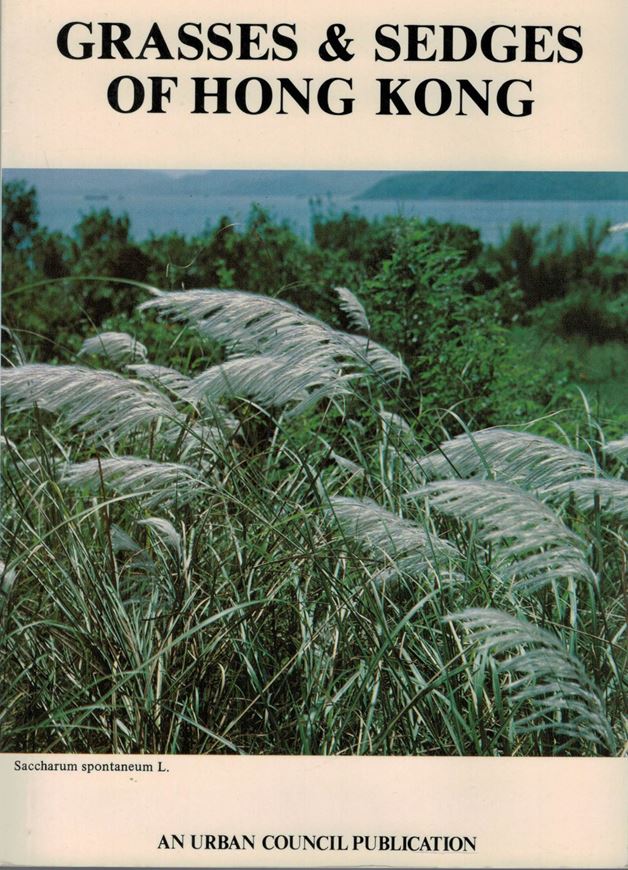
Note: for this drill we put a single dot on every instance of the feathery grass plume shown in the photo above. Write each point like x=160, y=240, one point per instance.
x=376, y=357
x=411, y=548
x=518, y=524
x=165, y=531
x=353, y=308
x=531, y=461
x=99, y=402
x=154, y=482
x=393, y=424
x=347, y=464
x=8, y=577
x=115, y=346
x=122, y=542
x=197, y=443
x=245, y=322
x=549, y=688
x=254, y=324
x=161, y=376
x=618, y=448
x=611, y=495
x=270, y=380
x=136, y=556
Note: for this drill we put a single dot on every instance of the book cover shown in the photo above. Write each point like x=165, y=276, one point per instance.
x=314, y=434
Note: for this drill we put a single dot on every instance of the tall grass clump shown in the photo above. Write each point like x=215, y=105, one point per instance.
x=263, y=551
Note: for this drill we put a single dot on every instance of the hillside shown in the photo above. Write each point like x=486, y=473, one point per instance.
x=107, y=182
x=555, y=186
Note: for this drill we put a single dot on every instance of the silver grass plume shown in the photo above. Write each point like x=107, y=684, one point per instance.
x=531, y=461
x=216, y=422
x=270, y=380
x=99, y=402
x=254, y=324
x=115, y=346
x=375, y=356
x=161, y=376
x=347, y=465
x=410, y=548
x=198, y=443
x=395, y=425
x=610, y=495
x=548, y=684
x=618, y=448
x=533, y=545
x=354, y=309
x=8, y=577
x=154, y=482
x=122, y=542
x=164, y=530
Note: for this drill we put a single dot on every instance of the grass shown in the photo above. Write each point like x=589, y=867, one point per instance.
x=599, y=369
x=266, y=558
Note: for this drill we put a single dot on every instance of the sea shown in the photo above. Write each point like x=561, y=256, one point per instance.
x=190, y=213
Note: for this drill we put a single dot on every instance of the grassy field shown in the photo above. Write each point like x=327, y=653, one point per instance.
x=599, y=370
x=248, y=538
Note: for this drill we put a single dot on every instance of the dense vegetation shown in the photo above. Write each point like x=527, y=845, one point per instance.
x=504, y=334
x=288, y=518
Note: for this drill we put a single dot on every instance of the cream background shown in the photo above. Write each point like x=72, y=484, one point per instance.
x=55, y=112
x=525, y=813
x=534, y=813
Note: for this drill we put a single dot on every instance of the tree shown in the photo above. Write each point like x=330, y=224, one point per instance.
x=102, y=245
x=20, y=215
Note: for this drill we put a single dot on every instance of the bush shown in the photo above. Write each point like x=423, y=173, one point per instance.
x=549, y=266
x=432, y=302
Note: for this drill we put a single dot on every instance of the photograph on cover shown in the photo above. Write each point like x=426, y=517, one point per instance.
x=313, y=462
